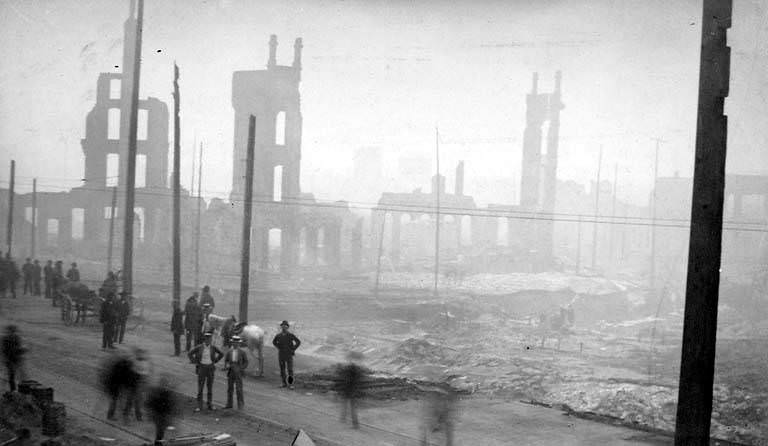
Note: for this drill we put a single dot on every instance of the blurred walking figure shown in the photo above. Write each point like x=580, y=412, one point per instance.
x=206, y=298
x=349, y=386
x=235, y=363
x=163, y=406
x=119, y=377
x=107, y=317
x=193, y=321
x=205, y=356
x=122, y=311
x=143, y=369
x=48, y=273
x=13, y=354
x=109, y=286
x=26, y=271
x=440, y=416
x=73, y=275
x=286, y=344
x=37, y=272
x=177, y=327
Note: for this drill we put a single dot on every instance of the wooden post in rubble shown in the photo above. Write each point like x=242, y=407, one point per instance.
x=597, y=209
x=380, y=253
x=697, y=364
x=245, y=262
x=437, y=210
x=11, y=192
x=130, y=177
x=33, y=235
x=176, y=188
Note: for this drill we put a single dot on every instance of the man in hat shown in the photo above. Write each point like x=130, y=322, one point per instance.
x=12, y=274
x=37, y=275
x=193, y=321
x=107, y=317
x=205, y=323
x=26, y=271
x=48, y=273
x=286, y=344
x=205, y=356
x=206, y=297
x=123, y=310
x=73, y=275
x=177, y=327
x=235, y=363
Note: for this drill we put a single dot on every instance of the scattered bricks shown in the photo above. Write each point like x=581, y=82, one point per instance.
x=54, y=419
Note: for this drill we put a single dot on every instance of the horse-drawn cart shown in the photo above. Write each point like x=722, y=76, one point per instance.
x=78, y=303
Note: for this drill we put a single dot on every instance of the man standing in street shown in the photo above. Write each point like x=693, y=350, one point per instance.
x=206, y=298
x=206, y=324
x=73, y=275
x=205, y=356
x=107, y=318
x=37, y=272
x=48, y=274
x=123, y=310
x=177, y=327
x=235, y=363
x=192, y=322
x=26, y=271
x=286, y=344
x=13, y=274
x=13, y=354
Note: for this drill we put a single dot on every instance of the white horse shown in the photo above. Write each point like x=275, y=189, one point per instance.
x=253, y=339
x=217, y=325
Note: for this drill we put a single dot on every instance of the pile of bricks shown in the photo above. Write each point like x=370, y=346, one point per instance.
x=54, y=419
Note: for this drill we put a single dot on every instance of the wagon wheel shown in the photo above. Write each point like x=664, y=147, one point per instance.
x=66, y=311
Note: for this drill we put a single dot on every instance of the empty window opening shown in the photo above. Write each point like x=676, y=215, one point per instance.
x=113, y=123
x=138, y=224
x=143, y=125
x=113, y=169
x=280, y=129
x=277, y=184
x=466, y=230
x=52, y=232
x=78, y=223
x=275, y=235
x=28, y=214
x=114, y=88
x=108, y=212
x=141, y=171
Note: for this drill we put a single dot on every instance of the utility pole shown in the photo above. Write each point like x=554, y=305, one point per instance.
x=578, y=246
x=9, y=228
x=653, y=213
x=437, y=209
x=245, y=257
x=378, y=258
x=33, y=235
x=130, y=177
x=597, y=208
x=613, y=213
x=176, y=188
x=112, y=212
x=697, y=364
x=197, y=226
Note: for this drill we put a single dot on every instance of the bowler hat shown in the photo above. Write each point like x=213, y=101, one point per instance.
x=285, y=324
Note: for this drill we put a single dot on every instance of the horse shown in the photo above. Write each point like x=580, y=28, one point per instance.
x=253, y=339
x=216, y=325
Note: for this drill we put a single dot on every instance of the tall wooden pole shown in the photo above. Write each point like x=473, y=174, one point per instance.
x=697, y=365
x=33, y=235
x=597, y=208
x=11, y=193
x=245, y=258
x=378, y=257
x=654, y=196
x=112, y=212
x=612, y=234
x=176, y=188
x=197, y=225
x=130, y=177
x=437, y=208
x=578, y=246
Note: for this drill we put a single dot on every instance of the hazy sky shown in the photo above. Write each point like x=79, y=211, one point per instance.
x=384, y=73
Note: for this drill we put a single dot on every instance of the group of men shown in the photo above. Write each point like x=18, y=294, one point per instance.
x=195, y=320
x=52, y=274
x=113, y=316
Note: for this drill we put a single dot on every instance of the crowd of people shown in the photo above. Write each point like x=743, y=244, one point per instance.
x=36, y=279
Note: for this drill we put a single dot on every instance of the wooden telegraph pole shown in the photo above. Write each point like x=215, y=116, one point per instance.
x=378, y=257
x=130, y=177
x=697, y=365
x=197, y=224
x=597, y=208
x=33, y=235
x=245, y=263
x=653, y=213
x=9, y=228
x=437, y=209
x=613, y=213
x=176, y=188
x=112, y=212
